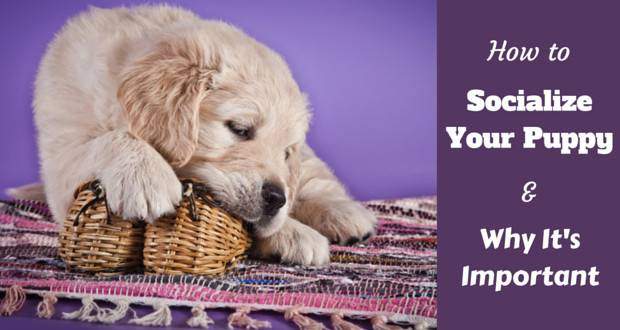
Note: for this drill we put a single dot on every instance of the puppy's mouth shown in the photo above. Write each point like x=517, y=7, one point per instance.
x=238, y=209
x=257, y=223
x=245, y=196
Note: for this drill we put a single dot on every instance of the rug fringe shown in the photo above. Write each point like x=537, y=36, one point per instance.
x=338, y=323
x=303, y=322
x=199, y=318
x=422, y=325
x=240, y=319
x=15, y=298
x=379, y=322
x=45, y=308
x=89, y=312
x=85, y=312
x=158, y=318
x=111, y=315
x=13, y=301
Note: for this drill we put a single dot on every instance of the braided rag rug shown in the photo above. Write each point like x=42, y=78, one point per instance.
x=390, y=278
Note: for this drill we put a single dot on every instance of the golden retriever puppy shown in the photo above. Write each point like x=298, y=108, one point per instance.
x=138, y=97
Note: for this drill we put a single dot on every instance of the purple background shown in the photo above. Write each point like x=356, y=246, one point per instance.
x=482, y=188
x=369, y=68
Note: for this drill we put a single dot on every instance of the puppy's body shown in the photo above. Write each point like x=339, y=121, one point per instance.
x=137, y=97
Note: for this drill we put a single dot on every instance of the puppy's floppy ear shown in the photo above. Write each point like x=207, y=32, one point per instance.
x=161, y=94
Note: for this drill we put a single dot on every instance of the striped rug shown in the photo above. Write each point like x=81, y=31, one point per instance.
x=389, y=279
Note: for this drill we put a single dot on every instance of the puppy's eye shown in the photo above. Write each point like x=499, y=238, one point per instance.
x=244, y=133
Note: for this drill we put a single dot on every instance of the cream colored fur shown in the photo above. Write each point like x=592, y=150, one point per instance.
x=137, y=97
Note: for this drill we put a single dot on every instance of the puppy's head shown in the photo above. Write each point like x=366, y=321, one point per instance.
x=224, y=109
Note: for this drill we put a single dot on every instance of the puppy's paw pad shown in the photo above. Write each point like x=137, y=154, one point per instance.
x=276, y=258
x=355, y=240
x=302, y=246
x=352, y=241
x=309, y=249
x=346, y=223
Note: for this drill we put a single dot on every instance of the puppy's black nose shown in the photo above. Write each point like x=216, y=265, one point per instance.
x=273, y=199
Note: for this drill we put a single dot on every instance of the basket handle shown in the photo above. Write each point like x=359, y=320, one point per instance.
x=192, y=190
x=94, y=186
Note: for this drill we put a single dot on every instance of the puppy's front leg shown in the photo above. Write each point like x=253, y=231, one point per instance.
x=294, y=243
x=323, y=204
x=139, y=183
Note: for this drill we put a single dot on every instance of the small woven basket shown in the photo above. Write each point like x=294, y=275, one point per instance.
x=95, y=241
x=202, y=239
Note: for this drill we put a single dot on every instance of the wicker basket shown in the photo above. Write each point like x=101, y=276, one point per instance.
x=202, y=239
x=95, y=241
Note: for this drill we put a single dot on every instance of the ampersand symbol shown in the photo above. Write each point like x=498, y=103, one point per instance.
x=527, y=192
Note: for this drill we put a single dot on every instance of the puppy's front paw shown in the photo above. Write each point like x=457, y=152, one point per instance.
x=295, y=243
x=344, y=222
x=146, y=191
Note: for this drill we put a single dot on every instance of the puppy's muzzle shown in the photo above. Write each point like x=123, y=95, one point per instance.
x=273, y=199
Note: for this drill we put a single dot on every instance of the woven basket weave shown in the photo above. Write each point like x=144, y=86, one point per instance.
x=202, y=239
x=95, y=241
